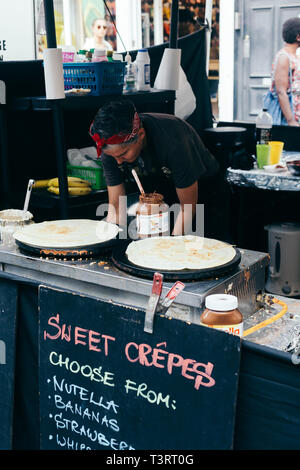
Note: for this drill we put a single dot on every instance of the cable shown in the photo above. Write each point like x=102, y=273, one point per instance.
x=113, y=21
x=269, y=320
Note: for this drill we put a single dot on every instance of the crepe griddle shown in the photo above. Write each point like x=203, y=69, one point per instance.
x=88, y=251
x=121, y=261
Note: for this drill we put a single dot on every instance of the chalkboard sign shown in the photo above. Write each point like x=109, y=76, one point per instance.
x=8, y=311
x=106, y=384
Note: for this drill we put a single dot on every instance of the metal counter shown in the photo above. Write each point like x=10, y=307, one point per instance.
x=266, y=179
x=99, y=278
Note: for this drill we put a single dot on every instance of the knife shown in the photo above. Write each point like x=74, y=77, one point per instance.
x=153, y=302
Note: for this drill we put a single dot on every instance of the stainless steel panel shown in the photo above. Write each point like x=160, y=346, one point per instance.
x=99, y=278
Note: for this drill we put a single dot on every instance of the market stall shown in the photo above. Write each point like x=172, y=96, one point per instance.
x=92, y=357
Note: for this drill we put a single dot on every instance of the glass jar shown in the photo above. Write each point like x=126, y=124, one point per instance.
x=152, y=216
x=12, y=220
x=222, y=313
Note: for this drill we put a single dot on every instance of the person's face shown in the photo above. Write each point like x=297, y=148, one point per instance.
x=127, y=153
x=100, y=28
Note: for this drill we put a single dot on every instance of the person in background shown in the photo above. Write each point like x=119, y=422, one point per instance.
x=166, y=152
x=186, y=22
x=97, y=41
x=286, y=73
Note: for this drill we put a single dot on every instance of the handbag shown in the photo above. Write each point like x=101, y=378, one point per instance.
x=272, y=105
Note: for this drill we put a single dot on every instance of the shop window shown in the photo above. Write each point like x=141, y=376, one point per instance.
x=74, y=27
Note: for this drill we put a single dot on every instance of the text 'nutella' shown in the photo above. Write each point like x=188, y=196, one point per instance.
x=222, y=313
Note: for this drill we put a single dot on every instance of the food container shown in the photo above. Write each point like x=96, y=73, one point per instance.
x=12, y=220
x=293, y=165
x=222, y=313
x=102, y=78
x=152, y=216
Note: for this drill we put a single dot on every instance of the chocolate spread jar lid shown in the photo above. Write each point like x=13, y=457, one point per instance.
x=221, y=302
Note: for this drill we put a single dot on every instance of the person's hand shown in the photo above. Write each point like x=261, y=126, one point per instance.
x=292, y=122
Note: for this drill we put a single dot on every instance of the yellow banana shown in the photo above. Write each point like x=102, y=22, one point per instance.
x=72, y=181
x=41, y=183
x=72, y=190
x=77, y=191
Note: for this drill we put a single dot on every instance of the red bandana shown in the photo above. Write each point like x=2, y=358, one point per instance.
x=117, y=138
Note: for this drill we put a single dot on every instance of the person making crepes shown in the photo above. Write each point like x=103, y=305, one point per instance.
x=166, y=152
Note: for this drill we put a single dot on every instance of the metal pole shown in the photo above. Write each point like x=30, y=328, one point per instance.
x=67, y=8
x=208, y=20
x=158, y=22
x=60, y=147
x=50, y=24
x=174, y=25
x=5, y=174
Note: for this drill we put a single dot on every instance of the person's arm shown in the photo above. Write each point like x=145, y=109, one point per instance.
x=188, y=198
x=116, y=210
x=282, y=84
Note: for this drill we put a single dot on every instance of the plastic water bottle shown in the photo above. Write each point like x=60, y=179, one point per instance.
x=143, y=70
x=130, y=76
x=263, y=126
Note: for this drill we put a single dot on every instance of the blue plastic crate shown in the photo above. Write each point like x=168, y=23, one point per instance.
x=103, y=78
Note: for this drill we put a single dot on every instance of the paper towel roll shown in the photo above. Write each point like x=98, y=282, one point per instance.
x=53, y=72
x=167, y=77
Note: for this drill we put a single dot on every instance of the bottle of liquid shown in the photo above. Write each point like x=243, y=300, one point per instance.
x=99, y=56
x=81, y=56
x=89, y=56
x=143, y=70
x=222, y=313
x=263, y=125
x=109, y=55
x=130, y=75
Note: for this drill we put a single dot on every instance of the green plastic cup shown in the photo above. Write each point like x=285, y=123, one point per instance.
x=262, y=154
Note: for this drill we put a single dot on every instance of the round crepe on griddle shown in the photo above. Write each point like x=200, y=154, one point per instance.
x=67, y=233
x=178, y=253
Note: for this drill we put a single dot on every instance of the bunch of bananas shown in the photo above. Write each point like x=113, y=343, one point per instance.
x=76, y=186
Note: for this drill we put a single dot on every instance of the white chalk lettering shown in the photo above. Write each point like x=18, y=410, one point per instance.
x=84, y=394
x=70, y=444
x=151, y=396
x=93, y=435
x=85, y=413
x=94, y=374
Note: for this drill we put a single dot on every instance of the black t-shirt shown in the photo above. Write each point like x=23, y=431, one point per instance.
x=175, y=157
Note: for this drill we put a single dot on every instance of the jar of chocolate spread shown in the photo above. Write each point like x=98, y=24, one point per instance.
x=222, y=312
x=152, y=216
